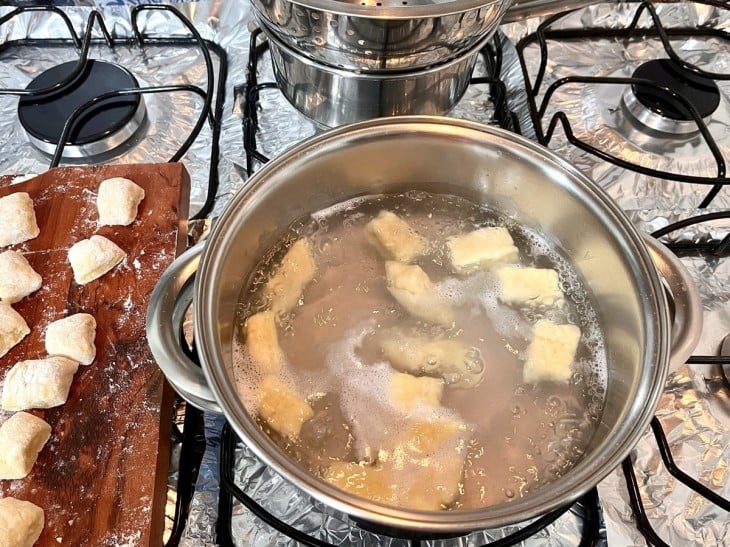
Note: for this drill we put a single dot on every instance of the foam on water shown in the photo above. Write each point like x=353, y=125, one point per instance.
x=522, y=436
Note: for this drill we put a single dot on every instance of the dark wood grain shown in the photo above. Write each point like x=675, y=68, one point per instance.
x=101, y=479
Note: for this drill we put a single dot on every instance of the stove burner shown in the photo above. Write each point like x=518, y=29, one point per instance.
x=660, y=111
x=102, y=129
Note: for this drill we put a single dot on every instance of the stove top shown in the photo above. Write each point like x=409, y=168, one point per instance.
x=635, y=95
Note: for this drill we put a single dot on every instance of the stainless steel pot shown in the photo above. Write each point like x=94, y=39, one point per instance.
x=504, y=171
x=332, y=97
x=393, y=35
x=380, y=35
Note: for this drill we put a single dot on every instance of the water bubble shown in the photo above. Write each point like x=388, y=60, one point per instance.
x=509, y=493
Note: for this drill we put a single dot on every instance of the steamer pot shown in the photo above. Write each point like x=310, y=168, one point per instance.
x=332, y=97
x=508, y=173
x=380, y=35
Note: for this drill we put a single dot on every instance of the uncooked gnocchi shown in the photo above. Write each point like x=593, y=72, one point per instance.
x=22, y=437
x=13, y=328
x=18, y=219
x=21, y=522
x=73, y=337
x=91, y=258
x=118, y=201
x=18, y=279
x=38, y=383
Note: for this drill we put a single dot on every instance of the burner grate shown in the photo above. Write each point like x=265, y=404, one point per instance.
x=588, y=505
x=538, y=109
x=213, y=96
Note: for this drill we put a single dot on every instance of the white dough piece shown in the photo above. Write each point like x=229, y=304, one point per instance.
x=394, y=238
x=551, y=353
x=18, y=279
x=282, y=409
x=460, y=366
x=117, y=201
x=73, y=337
x=91, y=258
x=410, y=392
x=422, y=469
x=38, y=383
x=13, y=328
x=413, y=290
x=534, y=286
x=21, y=522
x=22, y=437
x=17, y=219
x=262, y=342
x=296, y=270
x=481, y=249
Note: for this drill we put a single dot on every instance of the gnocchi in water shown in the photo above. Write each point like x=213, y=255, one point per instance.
x=406, y=347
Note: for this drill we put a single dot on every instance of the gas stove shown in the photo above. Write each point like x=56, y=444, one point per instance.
x=634, y=94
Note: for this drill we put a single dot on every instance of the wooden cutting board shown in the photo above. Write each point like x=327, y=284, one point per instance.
x=101, y=479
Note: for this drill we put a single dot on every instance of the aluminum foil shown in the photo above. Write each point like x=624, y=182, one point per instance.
x=694, y=410
x=598, y=118
x=171, y=116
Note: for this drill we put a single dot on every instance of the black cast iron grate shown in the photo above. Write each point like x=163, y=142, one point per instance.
x=491, y=53
x=546, y=32
x=213, y=96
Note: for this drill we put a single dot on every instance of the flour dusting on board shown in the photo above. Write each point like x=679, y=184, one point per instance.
x=100, y=464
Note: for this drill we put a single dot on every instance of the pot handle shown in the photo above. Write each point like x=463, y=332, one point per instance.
x=684, y=300
x=165, y=315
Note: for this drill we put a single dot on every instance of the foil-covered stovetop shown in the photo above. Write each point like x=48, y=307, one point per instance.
x=695, y=408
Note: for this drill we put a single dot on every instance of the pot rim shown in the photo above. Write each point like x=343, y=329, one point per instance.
x=566, y=489
x=398, y=13
x=372, y=75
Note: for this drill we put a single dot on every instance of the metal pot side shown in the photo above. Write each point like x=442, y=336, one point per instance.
x=333, y=97
x=383, y=36
x=505, y=172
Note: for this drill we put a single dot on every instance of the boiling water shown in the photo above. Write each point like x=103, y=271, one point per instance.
x=522, y=435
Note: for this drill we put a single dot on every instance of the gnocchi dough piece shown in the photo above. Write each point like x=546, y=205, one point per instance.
x=481, y=249
x=535, y=286
x=460, y=366
x=117, y=201
x=18, y=279
x=13, y=328
x=413, y=290
x=423, y=469
x=367, y=481
x=394, y=238
x=91, y=258
x=22, y=437
x=73, y=337
x=21, y=522
x=18, y=219
x=551, y=353
x=38, y=383
x=296, y=270
x=282, y=409
x=262, y=342
x=409, y=392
